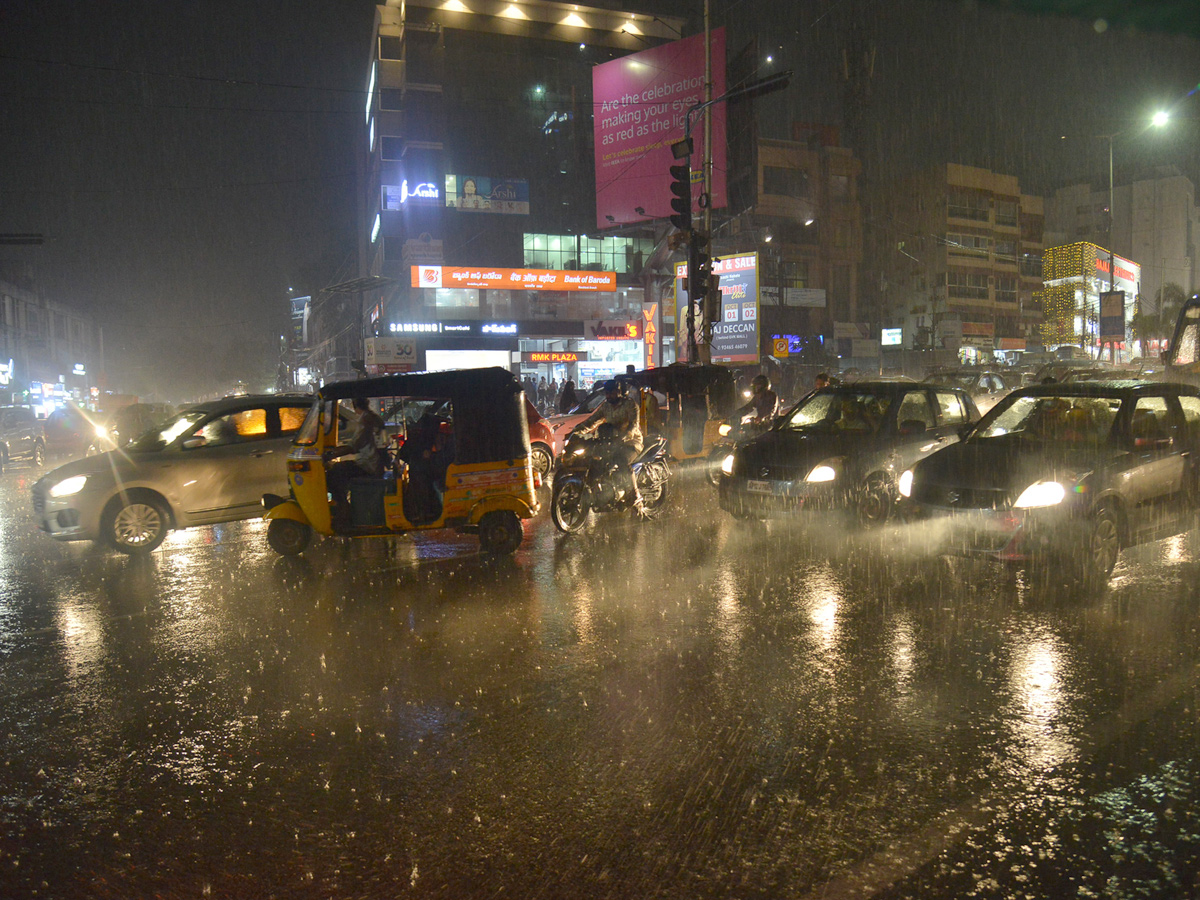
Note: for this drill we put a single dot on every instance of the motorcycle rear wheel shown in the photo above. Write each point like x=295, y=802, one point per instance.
x=568, y=505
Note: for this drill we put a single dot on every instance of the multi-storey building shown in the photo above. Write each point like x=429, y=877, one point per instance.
x=1154, y=220
x=49, y=353
x=477, y=157
x=960, y=260
x=804, y=221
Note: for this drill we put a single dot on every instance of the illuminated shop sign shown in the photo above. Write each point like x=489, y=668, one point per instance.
x=892, y=337
x=499, y=328
x=479, y=193
x=397, y=196
x=6, y=372
x=511, y=279
x=554, y=356
x=600, y=330
x=415, y=327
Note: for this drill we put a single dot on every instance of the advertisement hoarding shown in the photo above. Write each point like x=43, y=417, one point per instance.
x=1112, y=316
x=640, y=102
x=482, y=194
x=512, y=279
x=735, y=332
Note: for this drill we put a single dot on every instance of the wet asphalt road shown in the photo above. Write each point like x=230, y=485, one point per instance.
x=686, y=708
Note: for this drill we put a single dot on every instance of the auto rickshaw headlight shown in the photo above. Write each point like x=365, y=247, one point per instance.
x=821, y=473
x=904, y=485
x=1041, y=493
x=724, y=429
x=727, y=464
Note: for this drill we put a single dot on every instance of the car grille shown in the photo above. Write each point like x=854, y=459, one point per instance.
x=961, y=497
x=39, y=499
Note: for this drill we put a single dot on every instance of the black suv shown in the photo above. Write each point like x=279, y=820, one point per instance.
x=21, y=436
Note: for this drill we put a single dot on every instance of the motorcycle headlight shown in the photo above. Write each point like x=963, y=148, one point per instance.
x=1041, y=493
x=725, y=429
x=68, y=486
x=579, y=451
x=727, y=464
x=905, y=483
x=823, y=472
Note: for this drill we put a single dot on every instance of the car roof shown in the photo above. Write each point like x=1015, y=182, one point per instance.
x=245, y=401
x=1111, y=387
x=882, y=387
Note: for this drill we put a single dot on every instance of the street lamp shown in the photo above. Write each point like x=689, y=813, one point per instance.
x=1158, y=120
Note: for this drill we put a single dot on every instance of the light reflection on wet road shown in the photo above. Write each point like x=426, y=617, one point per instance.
x=693, y=707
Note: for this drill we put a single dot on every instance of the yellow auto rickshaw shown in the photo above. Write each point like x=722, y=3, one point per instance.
x=699, y=398
x=457, y=456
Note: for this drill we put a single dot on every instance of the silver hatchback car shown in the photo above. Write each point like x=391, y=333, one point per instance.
x=210, y=463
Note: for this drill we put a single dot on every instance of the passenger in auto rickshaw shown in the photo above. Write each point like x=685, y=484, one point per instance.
x=428, y=452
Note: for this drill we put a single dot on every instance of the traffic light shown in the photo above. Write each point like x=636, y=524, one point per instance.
x=681, y=197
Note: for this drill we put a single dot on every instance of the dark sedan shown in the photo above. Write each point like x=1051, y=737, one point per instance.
x=1067, y=475
x=843, y=447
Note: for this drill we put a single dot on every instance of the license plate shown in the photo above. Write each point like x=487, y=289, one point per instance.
x=759, y=487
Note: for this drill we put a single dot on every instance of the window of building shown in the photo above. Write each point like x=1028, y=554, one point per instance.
x=974, y=244
x=839, y=187
x=842, y=234
x=391, y=47
x=1031, y=265
x=966, y=285
x=1006, y=288
x=391, y=147
x=623, y=255
x=1006, y=212
x=794, y=273
x=785, y=182
x=969, y=205
x=1006, y=250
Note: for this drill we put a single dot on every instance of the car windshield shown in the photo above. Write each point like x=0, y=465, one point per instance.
x=855, y=411
x=1053, y=419
x=169, y=430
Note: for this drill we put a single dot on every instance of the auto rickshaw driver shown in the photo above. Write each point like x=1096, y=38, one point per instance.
x=368, y=461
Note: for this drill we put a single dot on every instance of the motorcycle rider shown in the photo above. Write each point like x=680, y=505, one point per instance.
x=621, y=412
x=764, y=402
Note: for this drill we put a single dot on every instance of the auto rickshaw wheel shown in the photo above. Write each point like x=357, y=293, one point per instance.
x=500, y=532
x=288, y=537
x=39, y=454
x=542, y=459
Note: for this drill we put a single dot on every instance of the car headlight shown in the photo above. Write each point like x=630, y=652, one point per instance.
x=1041, y=493
x=727, y=464
x=905, y=483
x=101, y=431
x=69, y=486
x=823, y=472
x=724, y=429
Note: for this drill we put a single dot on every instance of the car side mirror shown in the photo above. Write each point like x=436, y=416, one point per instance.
x=965, y=429
x=193, y=443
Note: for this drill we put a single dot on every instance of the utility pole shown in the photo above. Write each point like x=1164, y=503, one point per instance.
x=707, y=285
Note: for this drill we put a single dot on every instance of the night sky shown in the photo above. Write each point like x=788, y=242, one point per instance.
x=189, y=162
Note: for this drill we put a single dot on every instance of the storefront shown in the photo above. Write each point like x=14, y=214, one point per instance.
x=582, y=351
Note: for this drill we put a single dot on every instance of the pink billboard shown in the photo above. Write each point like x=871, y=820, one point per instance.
x=640, y=104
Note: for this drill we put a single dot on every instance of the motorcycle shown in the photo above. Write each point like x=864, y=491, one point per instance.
x=732, y=431
x=587, y=479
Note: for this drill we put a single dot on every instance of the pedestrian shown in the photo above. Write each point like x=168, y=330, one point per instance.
x=552, y=395
x=821, y=381
x=567, y=399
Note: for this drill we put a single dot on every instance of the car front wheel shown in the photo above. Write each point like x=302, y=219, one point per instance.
x=1103, y=547
x=137, y=524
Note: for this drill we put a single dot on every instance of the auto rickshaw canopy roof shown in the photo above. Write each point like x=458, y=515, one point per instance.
x=488, y=404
